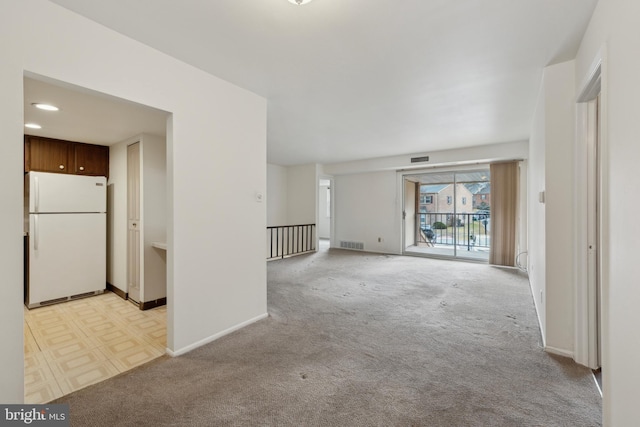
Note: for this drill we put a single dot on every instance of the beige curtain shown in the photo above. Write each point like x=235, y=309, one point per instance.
x=504, y=205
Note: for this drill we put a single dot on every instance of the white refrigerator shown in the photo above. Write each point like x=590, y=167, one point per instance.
x=67, y=229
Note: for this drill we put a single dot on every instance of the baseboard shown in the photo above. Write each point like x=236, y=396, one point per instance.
x=559, y=352
x=370, y=251
x=550, y=349
x=122, y=294
x=153, y=304
x=214, y=337
x=535, y=305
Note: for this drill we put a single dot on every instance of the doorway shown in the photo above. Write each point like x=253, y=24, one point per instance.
x=448, y=214
x=589, y=223
x=325, y=217
x=593, y=221
x=71, y=345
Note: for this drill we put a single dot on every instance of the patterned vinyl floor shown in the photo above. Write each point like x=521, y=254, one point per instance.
x=72, y=345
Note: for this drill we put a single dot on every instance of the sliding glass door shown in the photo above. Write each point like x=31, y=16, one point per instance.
x=448, y=214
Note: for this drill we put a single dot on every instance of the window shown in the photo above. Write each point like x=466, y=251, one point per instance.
x=464, y=200
x=448, y=200
x=426, y=200
x=483, y=197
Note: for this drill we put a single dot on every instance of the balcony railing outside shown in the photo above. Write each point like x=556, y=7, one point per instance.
x=289, y=240
x=470, y=230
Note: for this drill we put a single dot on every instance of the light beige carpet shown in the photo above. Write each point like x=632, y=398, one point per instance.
x=357, y=339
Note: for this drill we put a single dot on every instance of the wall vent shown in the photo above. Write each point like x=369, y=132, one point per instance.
x=352, y=245
x=419, y=159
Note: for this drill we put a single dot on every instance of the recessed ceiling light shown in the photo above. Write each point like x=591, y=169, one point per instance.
x=47, y=107
x=299, y=2
x=32, y=126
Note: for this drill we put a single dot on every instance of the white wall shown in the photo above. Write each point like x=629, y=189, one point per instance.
x=302, y=194
x=291, y=194
x=551, y=237
x=615, y=23
x=277, y=204
x=536, y=215
x=365, y=210
x=559, y=197
x=216, y=282
x=459, y=156
x=552, y=240
x=294, y=197
x=153, y=156
x=368, y=198
x=11, y=214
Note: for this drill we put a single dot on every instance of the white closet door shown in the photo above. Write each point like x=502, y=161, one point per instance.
x=133, y=220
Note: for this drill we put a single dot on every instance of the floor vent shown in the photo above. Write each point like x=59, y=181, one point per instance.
x=84, y=295
x=352, y=245
x=53, y=301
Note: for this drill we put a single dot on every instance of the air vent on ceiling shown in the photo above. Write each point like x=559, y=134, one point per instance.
x=419, y=159
x=352, y=245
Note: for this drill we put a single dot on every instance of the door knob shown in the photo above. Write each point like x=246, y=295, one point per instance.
x=61, y=166
x=81, y=168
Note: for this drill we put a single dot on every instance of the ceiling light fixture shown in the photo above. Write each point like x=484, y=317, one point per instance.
x=299, y=2
x=32, y=126
x=47, y=107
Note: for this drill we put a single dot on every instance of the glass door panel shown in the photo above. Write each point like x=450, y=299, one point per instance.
x=452, y=214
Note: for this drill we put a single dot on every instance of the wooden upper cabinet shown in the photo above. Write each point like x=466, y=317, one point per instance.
x=47, y=155
x=91, y=160
x=58, y=156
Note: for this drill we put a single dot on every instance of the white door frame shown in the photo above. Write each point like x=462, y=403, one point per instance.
x=135, y=230
x=591, y=269
x=404, y=213
x=400, y=201
x=330, y=178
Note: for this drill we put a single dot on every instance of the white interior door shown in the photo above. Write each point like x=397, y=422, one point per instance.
x=593, y=231
x=133, y=222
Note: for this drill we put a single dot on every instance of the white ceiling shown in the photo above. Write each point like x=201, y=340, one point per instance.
x=354, y=79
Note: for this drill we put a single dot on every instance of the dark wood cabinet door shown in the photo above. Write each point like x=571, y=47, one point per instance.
x=48, y=155
x=91, y=160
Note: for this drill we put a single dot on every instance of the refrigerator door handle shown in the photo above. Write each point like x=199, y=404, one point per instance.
x=36, y=196
x=35, y=232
